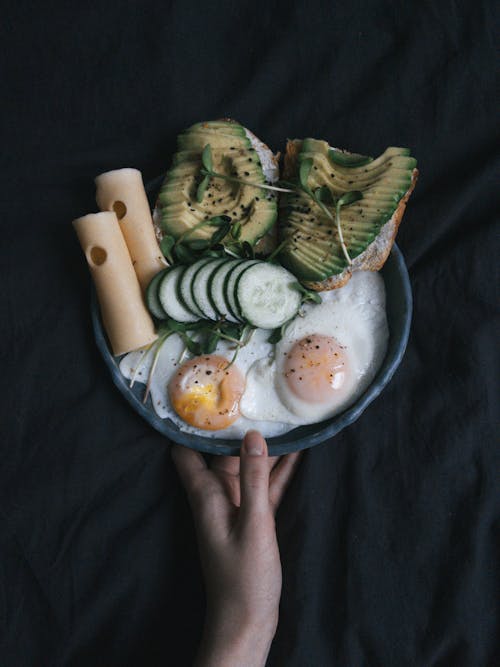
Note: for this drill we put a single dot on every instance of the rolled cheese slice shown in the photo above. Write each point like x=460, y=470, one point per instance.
x=126, y=320
x=122, y=191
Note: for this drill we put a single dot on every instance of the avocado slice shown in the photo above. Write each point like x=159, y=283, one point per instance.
x=313, y=251
x=232, y=155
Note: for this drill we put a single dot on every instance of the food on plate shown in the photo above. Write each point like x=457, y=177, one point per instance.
x=324, y=241
x=256, y=292
x=287, y=383
x=205, y=392
x=125, y=317
x=254, y=326
x=122, y=191
x=188, y=198
x=325, y=359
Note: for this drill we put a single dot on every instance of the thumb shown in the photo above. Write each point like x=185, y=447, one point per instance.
x=254, y=474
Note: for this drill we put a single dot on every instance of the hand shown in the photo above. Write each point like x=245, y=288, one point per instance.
x=234, y=502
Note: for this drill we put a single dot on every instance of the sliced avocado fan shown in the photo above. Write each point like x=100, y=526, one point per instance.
x=312, y=248
x=232, y=155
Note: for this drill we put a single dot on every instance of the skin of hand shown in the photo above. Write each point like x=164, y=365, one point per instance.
x=234, y=501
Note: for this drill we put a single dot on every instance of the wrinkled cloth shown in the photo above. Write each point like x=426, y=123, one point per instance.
x=387, y=533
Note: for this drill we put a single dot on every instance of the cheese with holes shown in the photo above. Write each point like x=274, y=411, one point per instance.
x=124, y=315
x=122, y=191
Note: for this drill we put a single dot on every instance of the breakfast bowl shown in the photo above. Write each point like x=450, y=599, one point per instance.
x=398, y=310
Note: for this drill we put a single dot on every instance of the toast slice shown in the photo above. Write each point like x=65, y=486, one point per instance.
x=376, y=254
x=270, y=169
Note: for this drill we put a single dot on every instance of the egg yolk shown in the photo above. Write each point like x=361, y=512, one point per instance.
x=316, y=369
x=206, y=393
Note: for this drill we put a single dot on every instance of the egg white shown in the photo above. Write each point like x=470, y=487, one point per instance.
x=354, y=315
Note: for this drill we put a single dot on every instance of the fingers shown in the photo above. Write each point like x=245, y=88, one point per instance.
x=192, y=469
x=254, y=474
x=227, y=471
x=226, y=464
x=231, y=464
x=273, y=461
x=263, y=479
x=281, y=477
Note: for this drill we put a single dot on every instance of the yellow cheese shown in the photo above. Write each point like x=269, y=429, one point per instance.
x=123, y=191
x=126, y=320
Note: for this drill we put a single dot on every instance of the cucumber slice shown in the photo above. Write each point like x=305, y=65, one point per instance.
x=265, y=296
x=199, y=289
x=216, y=289
x=231, y=285
x=185, y=291
x=152, y=300
x=168, y=296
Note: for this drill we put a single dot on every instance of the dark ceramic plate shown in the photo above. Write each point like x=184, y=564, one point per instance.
x=399, y=307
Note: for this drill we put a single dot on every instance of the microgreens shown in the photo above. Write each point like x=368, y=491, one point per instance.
x=206, y=157
x=245, y=336
x=345, y=200
x=202, y=337
x=208, y=172
x=144, y=355
x=307, y=295
x=161, y=339
x=304, y=171
x=226, y=239
x=276, y=335
x=236, y=230
x=322, y=195
x=184, y=250
x=202, y=186
x=166, y=245
x=277, y=250
x=199, y=337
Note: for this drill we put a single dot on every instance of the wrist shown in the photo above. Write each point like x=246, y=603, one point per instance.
x=235, y=639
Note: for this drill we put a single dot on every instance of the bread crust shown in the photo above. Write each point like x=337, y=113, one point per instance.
x=292, y=151
x=375, y=256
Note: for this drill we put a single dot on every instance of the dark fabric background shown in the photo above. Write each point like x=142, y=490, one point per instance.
x=387, y=532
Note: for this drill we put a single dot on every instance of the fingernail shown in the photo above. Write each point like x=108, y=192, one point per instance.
x=254, y=445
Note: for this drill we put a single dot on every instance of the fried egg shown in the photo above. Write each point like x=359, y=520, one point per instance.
x=328, y=355
x=174, y=399
x=326, y=359
x=206, y=391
